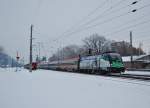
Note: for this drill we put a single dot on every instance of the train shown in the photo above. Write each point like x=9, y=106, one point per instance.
x=105, y=63
x=34, y=66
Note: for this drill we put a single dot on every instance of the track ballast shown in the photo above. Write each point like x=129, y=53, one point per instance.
x=132, y=76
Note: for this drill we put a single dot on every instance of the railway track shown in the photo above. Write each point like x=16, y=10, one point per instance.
x=123, y=75
x=132, y=76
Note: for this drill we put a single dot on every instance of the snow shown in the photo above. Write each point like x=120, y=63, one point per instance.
x=128, y=58
x=138, y=72
x=52, y=89
x=135, y=58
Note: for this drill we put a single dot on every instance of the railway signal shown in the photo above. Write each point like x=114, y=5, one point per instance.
x=17, y=58
x=31, y=49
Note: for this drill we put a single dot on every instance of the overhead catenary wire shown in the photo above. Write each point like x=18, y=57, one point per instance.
x=98, y=24
x=105, y=13
x=128, y=22
x=70, y=30
x=106, y=21
x=132, y=26
x=145, y=39
x=143, y=36
x=147, y=29
x=117, y=4
x=138, y=34
x=86, y=17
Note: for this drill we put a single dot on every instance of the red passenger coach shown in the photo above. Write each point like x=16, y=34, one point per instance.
x=34, y=66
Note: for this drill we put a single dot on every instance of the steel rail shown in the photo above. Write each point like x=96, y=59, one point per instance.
x=132, y=76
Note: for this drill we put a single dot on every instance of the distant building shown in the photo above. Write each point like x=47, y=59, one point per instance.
x=139, y=62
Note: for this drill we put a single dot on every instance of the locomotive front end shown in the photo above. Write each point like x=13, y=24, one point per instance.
x=116, y=63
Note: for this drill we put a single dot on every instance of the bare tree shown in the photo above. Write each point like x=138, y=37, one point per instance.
x=70, y=51
x=95, y=42
x=108, y=46
x=66, y=52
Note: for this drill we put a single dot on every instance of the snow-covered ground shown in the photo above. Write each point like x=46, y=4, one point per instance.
x=51, y=89
x=138, y=72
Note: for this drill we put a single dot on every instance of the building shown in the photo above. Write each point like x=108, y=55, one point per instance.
x=139, y=62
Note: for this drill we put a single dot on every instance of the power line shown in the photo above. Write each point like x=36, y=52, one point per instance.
x=108, y=20
x=144, y=35
x=114, y=11
x=118, y=16
x=129, y=22
x=117, y=4
x=132, y=26
x=145, y=30
x=83, y=19
x=145, y=39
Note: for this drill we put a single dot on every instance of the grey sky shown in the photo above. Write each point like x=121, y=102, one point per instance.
x=53, y=17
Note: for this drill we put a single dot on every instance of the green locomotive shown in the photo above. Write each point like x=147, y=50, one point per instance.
x=102, y=64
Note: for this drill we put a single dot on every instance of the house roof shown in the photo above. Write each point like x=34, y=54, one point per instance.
x=135, y=58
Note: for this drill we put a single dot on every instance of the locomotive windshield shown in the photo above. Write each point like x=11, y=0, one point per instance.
x=115, y=60
x=114, y=57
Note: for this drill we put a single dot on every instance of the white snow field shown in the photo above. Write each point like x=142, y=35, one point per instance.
x=138, y=72
x=52, y=89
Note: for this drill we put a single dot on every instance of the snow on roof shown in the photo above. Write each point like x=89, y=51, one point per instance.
x=125, y=59
x=128, y=58
x=141, y=56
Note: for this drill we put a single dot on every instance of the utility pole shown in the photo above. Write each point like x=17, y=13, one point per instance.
x=31, y=49
x=131, y=50
x=58, y=55
x=39, y=56
x=140, y=48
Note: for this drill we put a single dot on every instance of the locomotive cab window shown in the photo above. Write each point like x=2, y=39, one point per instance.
x=115, y=57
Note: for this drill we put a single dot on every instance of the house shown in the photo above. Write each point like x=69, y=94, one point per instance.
x=139, y=62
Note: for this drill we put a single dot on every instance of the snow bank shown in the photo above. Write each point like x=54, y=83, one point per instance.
x=51, y=89
x=138, y=72
x=1, y=69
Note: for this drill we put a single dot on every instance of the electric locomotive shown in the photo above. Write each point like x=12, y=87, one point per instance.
x=102, y=64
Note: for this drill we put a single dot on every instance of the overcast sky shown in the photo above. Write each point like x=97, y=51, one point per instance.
x=51, y=18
